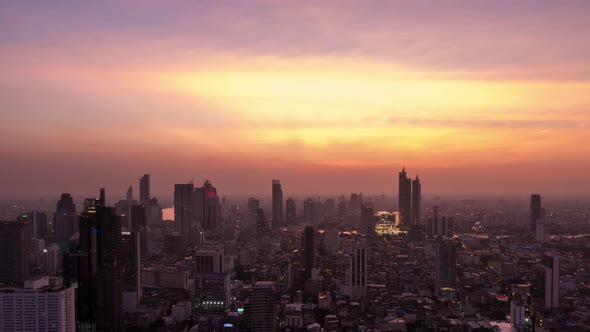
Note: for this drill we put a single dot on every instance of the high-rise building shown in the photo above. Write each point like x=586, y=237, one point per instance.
x=291, y=212
x=138, y=223
x=330, y=208
x=277, y=204
x=356, y=276
x=438, y=226
x=212, y=286
x=14, y=253
x=130, y=196
x=550, y=268
x=207, y=208
x=144, y=190
x=540, y=230
x=99, y=279
x=54, y=258
x=65, y=220
x=183, y=210
x=36, y=224
x=38, y=306
x=131, y=270
x=259, y=309
x=405, y=198
x=416, y=201
x=535, y=210
x=446, y=269
x=262, y=228
x=309, y=250
x=312, y=211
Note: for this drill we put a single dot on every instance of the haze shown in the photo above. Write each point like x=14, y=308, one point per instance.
x=336, y=96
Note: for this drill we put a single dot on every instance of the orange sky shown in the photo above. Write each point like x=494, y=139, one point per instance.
x=475, y=99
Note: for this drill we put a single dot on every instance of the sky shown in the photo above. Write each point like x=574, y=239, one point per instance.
x=327, y=96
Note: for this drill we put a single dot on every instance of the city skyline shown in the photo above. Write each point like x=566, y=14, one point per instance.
x=493, y=94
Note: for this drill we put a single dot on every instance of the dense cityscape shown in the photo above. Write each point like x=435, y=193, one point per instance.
x=401, y=261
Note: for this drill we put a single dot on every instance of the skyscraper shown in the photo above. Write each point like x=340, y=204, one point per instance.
x=262, y=228
x=251, y=218
x=212, y=286
x=138, y=223
x=445, y=269
x=416, y=200
x=259, y=309
x=550, y=268
x=144, y=190
x=130, y=196
x=183, y=210
x=65, y=220
x=131, y=269
x=438, y=226
x=277, y=204
x=291, y=212
x=309, y=250
x=535, y=211
x=356, y=276
x=14, y=253
x=99, y=280
x=207, y=208
x=405, y=198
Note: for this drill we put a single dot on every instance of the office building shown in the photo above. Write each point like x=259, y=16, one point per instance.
x=291, y=212
x=438, y=226
x=38, y=306
x=99, y=279
x=540, y=230
x=14, y=253
x=259, y=309
x=138, y=223
x=54, y=258
x=65, y=220
x=212, y=286
x=416, y=201
x=405, y=198
x=207, y=208
x=536, y=212
x=445, y=269
x=356, y=276
x=549, y=268
x=131, y=270
x=144, y=190
x=262, y=228
x=183, y=210
x=309, y=250
x=277, y=204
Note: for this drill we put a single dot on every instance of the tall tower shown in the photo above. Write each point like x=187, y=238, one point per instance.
x=144, y=190
x=259, y=309
x=212, y=286
x=405, y=198
x=291, y=212
x=535, y=211
x=183, y=210
x=100, y=281
x=65, y=220
x=416, y=200
x=309, y=250
x=356, y=279
x=550, y=267
x=445, y=269
x=14, y=253
x=277, y=204
x=206, y=207
x=131, y=270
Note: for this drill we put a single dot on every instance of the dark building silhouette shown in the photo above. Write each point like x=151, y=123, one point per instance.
x=416, y=200
x=14, y=253
x=405, y=199
x=309, y=250
x=291, y=212
x=259, y=309
x=144, y=190
x=262, y=228
x=446, y=269
x=277, y=204
x=99, y=281
x=535, y=211
x=438, y=226
x=138, y=221
x=65, y=220
x=330, y=208
x=131, y=253
x=36, y=224
x=207, y=208
x=183, y=210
